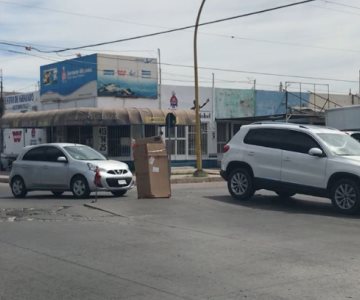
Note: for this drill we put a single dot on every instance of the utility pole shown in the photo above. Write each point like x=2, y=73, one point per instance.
x=2, y=104
x=199, y=171
x=2, y=111
x=159, y=87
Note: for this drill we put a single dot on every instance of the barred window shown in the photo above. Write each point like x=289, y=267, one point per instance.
x=222, y=136
x=204, y=139
x=119, y=142
x=176, y=143
x=80, y=135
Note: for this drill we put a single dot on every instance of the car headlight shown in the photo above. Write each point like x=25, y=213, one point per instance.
x=91, y=167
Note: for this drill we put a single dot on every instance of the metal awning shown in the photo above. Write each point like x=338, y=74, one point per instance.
x=94, y=117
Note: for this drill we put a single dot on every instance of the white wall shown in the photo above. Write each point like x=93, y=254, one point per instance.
x=49, y=105
x=114, y=102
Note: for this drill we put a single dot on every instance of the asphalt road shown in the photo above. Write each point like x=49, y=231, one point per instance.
x=200, y=244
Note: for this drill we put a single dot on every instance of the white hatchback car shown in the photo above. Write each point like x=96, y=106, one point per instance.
x=59, y=167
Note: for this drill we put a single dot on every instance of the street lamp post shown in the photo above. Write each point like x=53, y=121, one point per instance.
x=199, y=171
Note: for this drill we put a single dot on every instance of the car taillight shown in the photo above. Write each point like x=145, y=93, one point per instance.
x=226, y=148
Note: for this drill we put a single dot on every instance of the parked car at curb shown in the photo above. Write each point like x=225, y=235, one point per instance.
x=289, y=159
x=60, y=167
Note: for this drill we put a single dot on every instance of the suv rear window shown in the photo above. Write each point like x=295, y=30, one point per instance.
x=266, y=137
x=284, y=139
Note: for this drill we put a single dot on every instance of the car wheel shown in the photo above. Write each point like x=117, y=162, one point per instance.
x=57, y=193
x=240, y=184
x=285, y=194
x=18, y=187
x=345, y=196
x=80, y=187
x=119, y=193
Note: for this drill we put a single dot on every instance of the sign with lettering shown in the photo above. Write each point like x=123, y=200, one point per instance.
x=22, y=102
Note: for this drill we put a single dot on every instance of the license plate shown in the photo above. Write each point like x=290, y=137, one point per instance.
x=121, y=181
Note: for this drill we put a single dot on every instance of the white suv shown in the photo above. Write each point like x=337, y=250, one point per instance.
x=289, y=158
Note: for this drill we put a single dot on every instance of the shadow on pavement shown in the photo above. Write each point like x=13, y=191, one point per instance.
x=292, y=205
x=65, y=197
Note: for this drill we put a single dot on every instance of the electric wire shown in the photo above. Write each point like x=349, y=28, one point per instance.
x=175, y=29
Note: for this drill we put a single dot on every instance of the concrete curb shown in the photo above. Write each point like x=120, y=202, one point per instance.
x=191, y=179
x=4, y=179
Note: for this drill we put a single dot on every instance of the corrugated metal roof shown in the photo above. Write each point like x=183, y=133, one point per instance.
x=95, y=116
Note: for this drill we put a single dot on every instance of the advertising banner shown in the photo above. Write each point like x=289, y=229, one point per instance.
x=69, y=79
x=22, y=102
x=127, y=77
x=232, y=103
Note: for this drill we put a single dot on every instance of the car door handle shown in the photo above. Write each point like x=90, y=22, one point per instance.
x=251, y=153
x=287, y=159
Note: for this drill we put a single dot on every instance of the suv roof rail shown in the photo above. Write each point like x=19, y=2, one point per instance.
x=305, y=126
x=268, y=122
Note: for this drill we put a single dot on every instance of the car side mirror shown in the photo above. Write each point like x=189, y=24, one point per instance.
x=61, y=159
x=316, y=152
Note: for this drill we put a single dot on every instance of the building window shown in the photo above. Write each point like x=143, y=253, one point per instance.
x=204, y=139
x=80, y=135
x=119, y=142
x=176, y=140
x=222, y=136
x=150, y=130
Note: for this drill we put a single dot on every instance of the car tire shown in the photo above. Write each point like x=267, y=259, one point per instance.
x=80, y=187
x=119, y=193
x=240, y=184
x=57, y=193
x=345, y=196
x=284, y=195
x=18, y=187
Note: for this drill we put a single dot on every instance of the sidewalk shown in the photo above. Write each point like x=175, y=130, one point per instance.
x=178, y=175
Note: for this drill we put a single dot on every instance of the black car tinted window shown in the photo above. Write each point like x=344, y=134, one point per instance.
x=299, y=142
x=356, y=136
x=52, y=154
x=36, y=154
x=265, y=137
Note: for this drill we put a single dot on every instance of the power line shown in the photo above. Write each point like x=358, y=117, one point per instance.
x=60, y=11
x=341, y=4
x=211, y=69
x=264, y=73
x=296, y=44
x=206, y=33
x=176, y=29
x=337, y=10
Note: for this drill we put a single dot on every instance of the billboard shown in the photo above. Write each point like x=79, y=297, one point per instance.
x=69, y=79
x=233, y=103
x=270, y=103
x=22, y=102
x=127, y=77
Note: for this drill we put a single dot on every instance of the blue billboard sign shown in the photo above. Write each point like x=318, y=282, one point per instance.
x=100, y=75
x=69, y=79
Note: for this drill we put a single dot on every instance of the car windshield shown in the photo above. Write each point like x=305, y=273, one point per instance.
x=84, y=153
x=341, y=144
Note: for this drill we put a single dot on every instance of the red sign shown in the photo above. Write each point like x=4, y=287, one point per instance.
x=17, y=136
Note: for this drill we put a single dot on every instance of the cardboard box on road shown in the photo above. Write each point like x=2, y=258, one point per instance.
x=151, y=168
